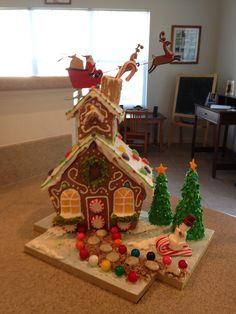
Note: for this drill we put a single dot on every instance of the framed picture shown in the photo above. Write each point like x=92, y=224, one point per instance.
x=57, y=1
x=186, y=42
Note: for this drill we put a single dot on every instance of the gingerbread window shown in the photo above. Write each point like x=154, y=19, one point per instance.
x=124, y=201
x=70, y=203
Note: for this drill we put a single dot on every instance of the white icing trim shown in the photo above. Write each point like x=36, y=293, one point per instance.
x=116, y=178
x=82, y=186
x=110, y=150
x=113, y=108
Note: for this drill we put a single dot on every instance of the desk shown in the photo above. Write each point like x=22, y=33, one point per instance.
x=219, y=118
x=157, y=123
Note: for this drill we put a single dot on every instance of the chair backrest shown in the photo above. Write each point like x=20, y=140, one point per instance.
x=135, y=121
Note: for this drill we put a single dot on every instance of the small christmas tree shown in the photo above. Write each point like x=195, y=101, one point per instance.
x=160, y=212
x=191, y=204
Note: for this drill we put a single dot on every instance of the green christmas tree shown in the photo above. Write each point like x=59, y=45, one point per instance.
x=160, y=212
x=190, y=203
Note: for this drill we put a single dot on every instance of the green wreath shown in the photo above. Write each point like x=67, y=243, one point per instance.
x=94, y=171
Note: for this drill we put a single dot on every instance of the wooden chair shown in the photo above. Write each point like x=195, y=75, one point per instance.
x=136, y=129
x=188, y=123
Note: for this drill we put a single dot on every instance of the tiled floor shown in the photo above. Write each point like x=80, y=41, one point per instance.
x=219, y=193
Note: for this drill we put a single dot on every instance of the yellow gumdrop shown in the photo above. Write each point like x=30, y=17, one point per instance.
x=92, y=107
x=52, y=198
x=105, y=265
x=121, y=149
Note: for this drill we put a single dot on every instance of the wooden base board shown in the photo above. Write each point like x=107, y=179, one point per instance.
x=60, y=251
x=199, y=249
x=72, y=264
x=44, y=224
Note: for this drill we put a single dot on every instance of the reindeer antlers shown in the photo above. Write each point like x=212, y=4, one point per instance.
x=162, y=37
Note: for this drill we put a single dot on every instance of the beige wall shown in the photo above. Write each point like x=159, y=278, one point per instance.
x=33, y=115
x=226, y=54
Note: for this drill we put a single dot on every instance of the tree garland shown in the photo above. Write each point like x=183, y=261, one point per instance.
x=103, y=171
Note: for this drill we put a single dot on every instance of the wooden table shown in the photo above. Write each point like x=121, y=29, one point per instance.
x=157, y=123
x=220, y=118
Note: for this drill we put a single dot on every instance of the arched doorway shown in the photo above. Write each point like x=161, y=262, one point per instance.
x=70, y=203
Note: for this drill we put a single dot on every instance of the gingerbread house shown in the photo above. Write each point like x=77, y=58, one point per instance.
x=101, y=182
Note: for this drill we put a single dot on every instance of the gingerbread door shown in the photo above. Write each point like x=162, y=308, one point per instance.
x=98, y=214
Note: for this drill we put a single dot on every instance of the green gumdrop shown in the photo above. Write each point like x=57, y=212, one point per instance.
x=134, y=151
x=119, y=271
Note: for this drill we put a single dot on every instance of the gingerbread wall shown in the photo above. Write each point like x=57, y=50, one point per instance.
x=116, y=178
x=93, y=116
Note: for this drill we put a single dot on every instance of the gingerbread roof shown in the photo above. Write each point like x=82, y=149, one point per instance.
x=96, y=93
x=127, y=159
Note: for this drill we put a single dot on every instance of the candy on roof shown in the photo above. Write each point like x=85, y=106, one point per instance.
x=141, y=173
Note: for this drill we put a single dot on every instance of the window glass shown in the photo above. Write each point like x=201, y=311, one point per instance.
x=16, y=45
x=62, y=33
x=32, y=42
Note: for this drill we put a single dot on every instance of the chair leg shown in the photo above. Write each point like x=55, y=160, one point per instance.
x=145, y=146
x=170, y=135
x=180, y=135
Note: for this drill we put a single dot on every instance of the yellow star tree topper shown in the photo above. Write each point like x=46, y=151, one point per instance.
x=193, y=165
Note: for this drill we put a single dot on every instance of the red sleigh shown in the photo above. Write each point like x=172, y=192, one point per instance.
x=84, y=78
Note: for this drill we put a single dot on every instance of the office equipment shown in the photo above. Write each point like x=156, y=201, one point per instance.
x=219, y=117
x=216, y=106
x=190, y=90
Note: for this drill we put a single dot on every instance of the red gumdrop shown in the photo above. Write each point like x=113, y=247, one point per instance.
x=79, y=244
x=122, y=249
x=135, y=157
x=114, y=230
x=145, y=161
x=67, y=154
x=166, y=260
x=132, y=276
x=84, y=254
x=183, y=264
x=81, y=229
x=80, y=236
x=116, y=235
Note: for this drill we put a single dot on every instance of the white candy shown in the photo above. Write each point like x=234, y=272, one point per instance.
x=93, y=260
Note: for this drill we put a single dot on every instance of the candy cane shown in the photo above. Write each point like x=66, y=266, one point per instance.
x=127, y=66
x=162, y=246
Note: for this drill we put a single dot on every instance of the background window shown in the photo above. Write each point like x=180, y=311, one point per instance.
x=40, y=38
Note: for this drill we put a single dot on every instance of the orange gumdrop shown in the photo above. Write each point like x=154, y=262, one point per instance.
x=117, y=242
x=79, y=244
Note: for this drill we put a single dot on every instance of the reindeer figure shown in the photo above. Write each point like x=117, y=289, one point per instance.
x=134, y=55
x=168, y=57
x=131, y=65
